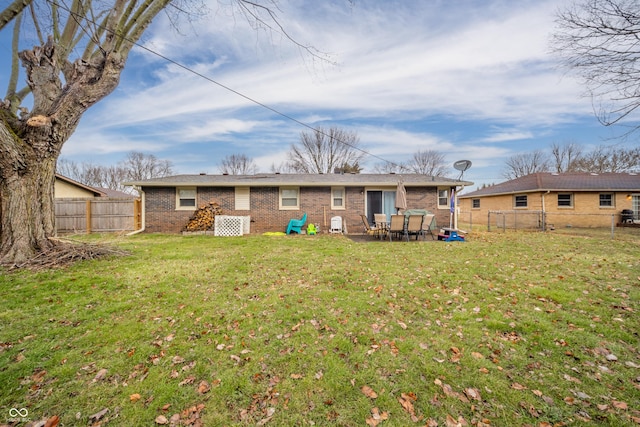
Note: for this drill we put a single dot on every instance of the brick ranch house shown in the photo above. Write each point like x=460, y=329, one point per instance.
x=576, y=199
x=271, y=200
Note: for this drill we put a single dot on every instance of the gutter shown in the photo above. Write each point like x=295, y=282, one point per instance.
x=143, y=204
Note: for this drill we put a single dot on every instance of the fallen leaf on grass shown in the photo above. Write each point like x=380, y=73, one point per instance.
x=368, y=391
x=297, y=376
x=52, y=422
x=619, y=405
x=460, y=422
x=376, y=417
x=518, y=386
x=189, y=380
x=161, y=419
x=102, y=373
x=98, y=415
x=134, y=397
x=472, y=393
x=203, y=387
x=406, y=401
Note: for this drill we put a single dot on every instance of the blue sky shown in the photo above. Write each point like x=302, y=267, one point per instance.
x=472, y=79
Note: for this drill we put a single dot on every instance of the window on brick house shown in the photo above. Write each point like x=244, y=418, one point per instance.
x=565, y=200
x=475, y=203
x=289, y=198
x=443, y=198
x=337, y=198
x=606, y=200
x=186, y=198
x=520, y=201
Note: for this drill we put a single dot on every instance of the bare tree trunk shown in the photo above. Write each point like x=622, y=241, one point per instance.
x=29, y=147
x=26, y=193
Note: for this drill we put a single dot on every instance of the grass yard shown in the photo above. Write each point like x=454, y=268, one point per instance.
x=513, y=329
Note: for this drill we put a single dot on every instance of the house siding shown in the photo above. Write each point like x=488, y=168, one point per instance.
x=161, y=214
x=585, y=212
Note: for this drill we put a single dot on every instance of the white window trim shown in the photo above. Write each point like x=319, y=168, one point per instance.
x=344, y=193
x=447, y=205
x=195, y=199
x=289, y=208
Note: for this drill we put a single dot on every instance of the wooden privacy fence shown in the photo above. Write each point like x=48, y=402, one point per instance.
x=97, y=215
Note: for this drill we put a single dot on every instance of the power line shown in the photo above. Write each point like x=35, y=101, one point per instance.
x=234, y=91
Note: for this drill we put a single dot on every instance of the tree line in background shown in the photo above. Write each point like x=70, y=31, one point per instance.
x=134, y=167
x=572, y=157
x=335, y=150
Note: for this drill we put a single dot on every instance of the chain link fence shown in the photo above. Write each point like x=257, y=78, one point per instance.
x=502, y=221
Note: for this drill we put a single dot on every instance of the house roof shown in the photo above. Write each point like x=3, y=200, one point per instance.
x=307, y=180
x=117, y=194
x=547, y=181
x=96, y=192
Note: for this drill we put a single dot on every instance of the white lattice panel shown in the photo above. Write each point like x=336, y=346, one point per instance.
x=228, y=225
x=246, y=224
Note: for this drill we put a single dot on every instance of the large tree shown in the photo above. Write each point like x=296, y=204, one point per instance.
x=82, y=49
x=428, y=162
x=598, y=39
x=325, y=151
x=136, y=166
x=238, y=164
x=526, y=163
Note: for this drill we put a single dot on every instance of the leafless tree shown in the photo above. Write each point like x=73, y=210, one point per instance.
x=526, y=163
x=609, y=159
x=565, y=156
x=238, y=164
x=388, y=167
x=135, y=167
x=323, y=150
x=598, y=40
x=138, y=166
x=83, y=46
x=428, y=162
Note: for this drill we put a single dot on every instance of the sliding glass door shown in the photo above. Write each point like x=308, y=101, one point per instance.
x=380, y=201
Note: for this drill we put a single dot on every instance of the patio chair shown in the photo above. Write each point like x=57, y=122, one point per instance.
x=428, y=225
x=296, y=224
x=368, y=229
x=381, y=223
x=414, y=226
x=396, y=226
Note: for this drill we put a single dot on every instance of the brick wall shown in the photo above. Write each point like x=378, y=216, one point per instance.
x=161, y=214
x=585, y=212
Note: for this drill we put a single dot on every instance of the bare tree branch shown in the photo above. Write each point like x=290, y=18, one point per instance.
x=599, y=40
x=323, y=150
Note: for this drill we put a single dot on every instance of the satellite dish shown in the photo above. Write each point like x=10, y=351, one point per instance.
x=462, y=165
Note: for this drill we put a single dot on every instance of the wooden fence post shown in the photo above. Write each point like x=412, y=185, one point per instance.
x=88, y=216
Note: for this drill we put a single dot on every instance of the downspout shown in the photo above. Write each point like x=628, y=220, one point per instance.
x=544, y=212
x=143, y=206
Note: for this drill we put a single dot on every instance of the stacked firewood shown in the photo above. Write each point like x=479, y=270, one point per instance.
x=204, y=218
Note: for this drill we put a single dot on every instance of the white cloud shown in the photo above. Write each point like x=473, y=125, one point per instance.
x=462, y=77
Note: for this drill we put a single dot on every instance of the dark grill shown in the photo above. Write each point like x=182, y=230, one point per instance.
x=626, y=216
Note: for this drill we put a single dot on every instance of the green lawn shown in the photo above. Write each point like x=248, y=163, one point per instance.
x=508, y=329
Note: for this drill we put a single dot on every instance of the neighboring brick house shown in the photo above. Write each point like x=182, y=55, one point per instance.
x=588, y=198
x=271, y=200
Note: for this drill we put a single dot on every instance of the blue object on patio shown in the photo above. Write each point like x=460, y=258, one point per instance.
x=296, y=224
x=454, y=237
